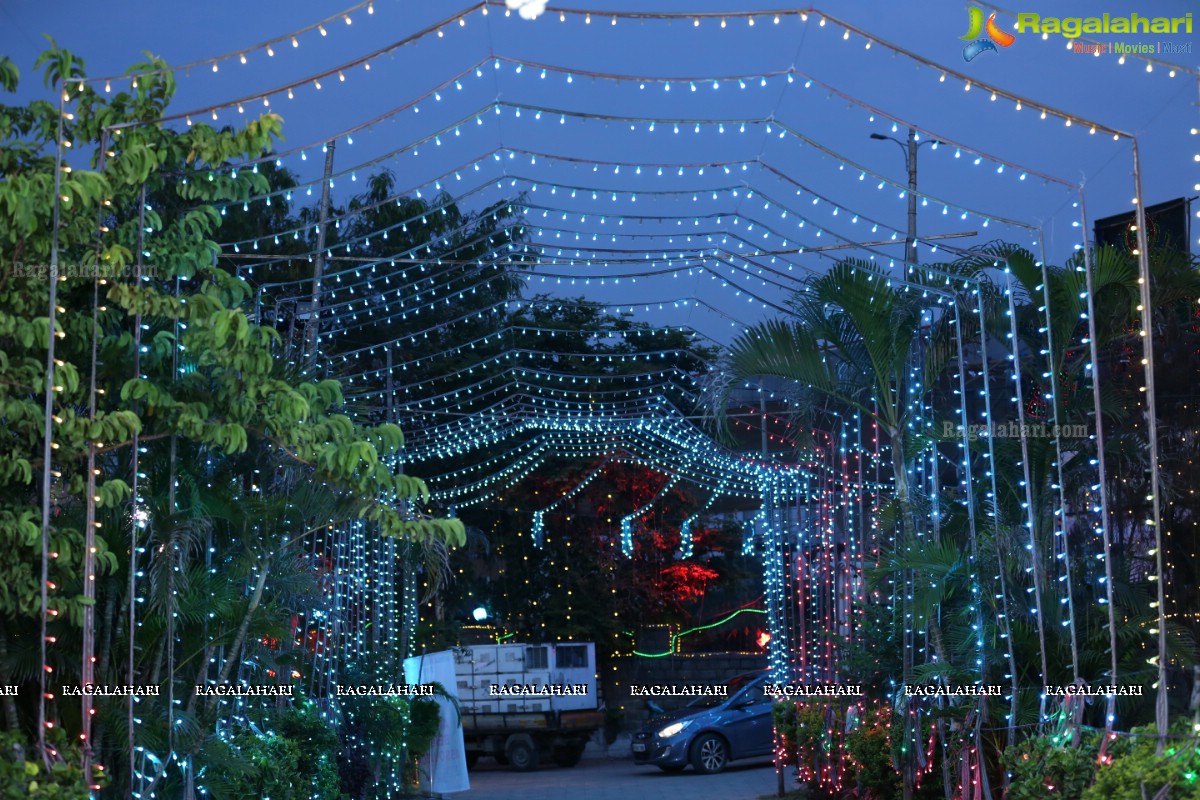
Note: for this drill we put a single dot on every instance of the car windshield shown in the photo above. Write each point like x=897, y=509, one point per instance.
x=732, y=687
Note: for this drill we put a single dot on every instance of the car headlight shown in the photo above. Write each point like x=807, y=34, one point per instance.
x=673, y=728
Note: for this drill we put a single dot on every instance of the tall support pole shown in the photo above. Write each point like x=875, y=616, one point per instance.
x=138, y=516
x=87, y=668
x=762, y=408
x=1101, y=471
x=973, y=539
x=910, y=161
x=1032, y=512
x=48, y=429
x=1147, y=334
x=312, y=329
x=993, y=510
x=1059, y=525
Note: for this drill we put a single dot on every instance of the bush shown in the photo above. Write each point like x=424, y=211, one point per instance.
x=869, y=762
x=1134, y=764
x=1042, y=765
x=318, y=744
x=28, y=777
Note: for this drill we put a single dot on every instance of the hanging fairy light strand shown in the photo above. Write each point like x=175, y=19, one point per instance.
x=240, y=54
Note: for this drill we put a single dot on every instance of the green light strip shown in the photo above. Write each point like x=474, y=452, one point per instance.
x=675, y=637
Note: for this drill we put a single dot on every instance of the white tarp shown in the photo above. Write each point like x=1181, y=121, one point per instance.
x=444, y=768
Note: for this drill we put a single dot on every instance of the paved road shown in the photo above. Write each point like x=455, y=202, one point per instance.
x=598, y=777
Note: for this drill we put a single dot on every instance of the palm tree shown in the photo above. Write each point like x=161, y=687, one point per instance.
x=855, y=339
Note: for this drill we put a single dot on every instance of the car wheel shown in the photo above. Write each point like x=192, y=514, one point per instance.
x=709, y=754
x=672, y=767
x=521, y=754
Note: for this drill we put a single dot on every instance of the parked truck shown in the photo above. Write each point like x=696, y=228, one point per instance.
x=525, y=703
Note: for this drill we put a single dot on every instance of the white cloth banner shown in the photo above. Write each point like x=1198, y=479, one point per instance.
x=444, y=768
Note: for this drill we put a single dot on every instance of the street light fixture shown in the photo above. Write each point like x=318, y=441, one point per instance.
x=910, y=162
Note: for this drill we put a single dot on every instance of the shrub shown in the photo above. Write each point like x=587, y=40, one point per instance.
x=1135, y=770
x=28, y=777
x=1045, y=766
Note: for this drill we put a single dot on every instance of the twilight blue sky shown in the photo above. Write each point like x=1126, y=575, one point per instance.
x=597, y=122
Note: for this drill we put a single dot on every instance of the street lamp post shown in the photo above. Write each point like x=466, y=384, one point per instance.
x=909, y=147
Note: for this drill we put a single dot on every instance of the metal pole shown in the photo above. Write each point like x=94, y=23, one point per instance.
x=1101, y=468
x=312, y=329
x=910, y=161
x=48, y=427
x=1147, y=333
x=88, y=667
x=138, y=514
x=762, y=407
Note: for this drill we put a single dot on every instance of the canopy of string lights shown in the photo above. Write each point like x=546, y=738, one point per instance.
x=264, y=392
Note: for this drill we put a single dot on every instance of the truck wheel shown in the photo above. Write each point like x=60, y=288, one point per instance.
x=568, y=755
x=709, y=754
x=520, y=753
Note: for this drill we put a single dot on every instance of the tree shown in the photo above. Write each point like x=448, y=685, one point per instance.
x=853, y=338
x=179, y=371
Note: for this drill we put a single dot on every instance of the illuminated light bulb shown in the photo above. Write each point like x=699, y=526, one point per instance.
x=317, y=84
x=722, y=22
x=321, y=28
x=341, y=75
x=1121, y=60
x=242, y=58
x=942, y=78
x=270, y=50
x=215, y=69
x=371, y=9
x=1149, y=67
x=346, y=17
x=696, y=22
x=750, y=20
x=295, y=42
x=1043, y=114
